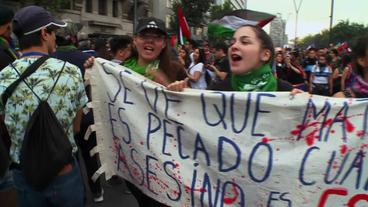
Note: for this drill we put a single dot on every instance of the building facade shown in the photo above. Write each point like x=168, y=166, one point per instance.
x=277, y=31
x=108, y=17
x=162, y=9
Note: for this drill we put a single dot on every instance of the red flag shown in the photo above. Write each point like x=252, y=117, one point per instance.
x=183, y=25
x=172, y=40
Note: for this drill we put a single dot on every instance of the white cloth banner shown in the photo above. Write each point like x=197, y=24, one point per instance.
x=207, y=148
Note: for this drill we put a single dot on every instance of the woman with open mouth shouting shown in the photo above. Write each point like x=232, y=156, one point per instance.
x=250, y=55
x=151, y=54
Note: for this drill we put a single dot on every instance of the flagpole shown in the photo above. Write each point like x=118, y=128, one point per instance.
x=331, y=21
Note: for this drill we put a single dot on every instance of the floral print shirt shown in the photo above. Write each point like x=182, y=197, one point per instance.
x=66, y=99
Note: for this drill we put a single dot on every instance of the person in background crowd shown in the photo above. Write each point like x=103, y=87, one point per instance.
x=66, y=49
x=337, y=70
x=101, y=48
x=294, y=72
x=209, y=57
x=7, y=51
x=65, y=38
x=35, y=29
x=335, y=59
x=359, y=87
x=348, y=75
x=121, y=48
x=197, y=71
x=321, y=78
x=7, y=56
x=85, y=44
x=209, y=60
x=309, y=62
x=183, y=57
x=322, y=52
x=221, y=67
x=190, y=45
x=151, y=58
x=280, y=66
x=250, y=55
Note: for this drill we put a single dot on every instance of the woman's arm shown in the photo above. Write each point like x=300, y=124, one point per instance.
x=311, y=82
x=195, y=77
x=221, y=75
x=294, y=68
x=345, y=75
x=160, y=77
x=330, y=83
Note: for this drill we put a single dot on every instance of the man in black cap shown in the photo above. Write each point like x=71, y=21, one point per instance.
x=61, y=85
x=7, y=53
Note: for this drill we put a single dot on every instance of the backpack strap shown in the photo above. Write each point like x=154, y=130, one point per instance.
x=57, y=79
x=31, y=69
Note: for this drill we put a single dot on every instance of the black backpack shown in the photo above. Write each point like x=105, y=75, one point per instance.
x=4, y=150
x=46, y=148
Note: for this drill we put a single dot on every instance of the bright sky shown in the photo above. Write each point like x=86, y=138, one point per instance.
x=313, y=14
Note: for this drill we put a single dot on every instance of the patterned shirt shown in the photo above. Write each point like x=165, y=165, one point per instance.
x=321, y=74
x=66, y=99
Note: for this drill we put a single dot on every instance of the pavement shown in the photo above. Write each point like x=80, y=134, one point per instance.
x=114, y=195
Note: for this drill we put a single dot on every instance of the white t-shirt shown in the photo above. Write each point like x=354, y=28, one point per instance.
x=201, y=83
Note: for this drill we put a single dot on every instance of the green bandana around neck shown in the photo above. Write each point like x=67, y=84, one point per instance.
x=66, y=48
x=260, y=79
x=132, y=63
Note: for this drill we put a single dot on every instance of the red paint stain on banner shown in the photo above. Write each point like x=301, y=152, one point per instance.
x=188, y=189
x=343, y=149
x=232, y=200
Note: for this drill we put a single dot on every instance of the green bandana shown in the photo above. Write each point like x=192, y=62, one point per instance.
x=132, y=63
x=260, y=79
x=66, y=48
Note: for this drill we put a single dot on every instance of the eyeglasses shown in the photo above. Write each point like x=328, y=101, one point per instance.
x=153, y=36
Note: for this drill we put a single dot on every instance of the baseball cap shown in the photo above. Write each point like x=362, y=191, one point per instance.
x=32, y=19
x=151, y=23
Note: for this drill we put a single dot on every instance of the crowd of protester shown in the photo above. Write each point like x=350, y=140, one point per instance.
x=249, y=63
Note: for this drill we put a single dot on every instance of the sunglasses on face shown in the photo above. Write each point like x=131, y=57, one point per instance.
x=153, y=36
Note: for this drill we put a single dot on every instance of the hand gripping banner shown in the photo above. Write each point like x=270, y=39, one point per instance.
x=211, y=148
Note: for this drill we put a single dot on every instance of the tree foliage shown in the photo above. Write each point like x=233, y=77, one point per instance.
x=344, y=31
x=193, y=10
x=217, y=11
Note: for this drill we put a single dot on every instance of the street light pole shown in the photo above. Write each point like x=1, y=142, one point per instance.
x=331, y=21
x=297, y=9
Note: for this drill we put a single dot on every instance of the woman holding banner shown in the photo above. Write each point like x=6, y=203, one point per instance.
x=359, y=87
x=151, y=58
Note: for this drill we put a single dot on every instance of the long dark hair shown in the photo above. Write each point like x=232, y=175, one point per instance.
x=187, y=57
x=202, y=56
x=359, y=50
